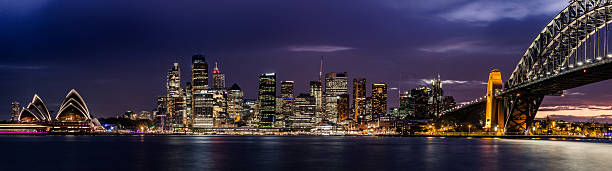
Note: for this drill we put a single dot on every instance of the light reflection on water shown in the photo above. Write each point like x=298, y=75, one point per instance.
x=298, y=153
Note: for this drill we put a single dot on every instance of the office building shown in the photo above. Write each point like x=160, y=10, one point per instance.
x=336, y=84
x=218, y=78
x=202, y=101
x=316, y=91
x=14, y=111
x=379, y=100
x=266, y=100
x=235, y=99
x=359, y=98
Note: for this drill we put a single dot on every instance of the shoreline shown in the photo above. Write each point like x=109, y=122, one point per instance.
x=531, y=137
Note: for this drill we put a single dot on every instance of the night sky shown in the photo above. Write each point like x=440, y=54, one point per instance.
x=116, y=54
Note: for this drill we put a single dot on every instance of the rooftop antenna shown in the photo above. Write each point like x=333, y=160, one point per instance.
x=321, y=70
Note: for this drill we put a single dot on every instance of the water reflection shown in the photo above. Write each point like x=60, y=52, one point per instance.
x=301, y=153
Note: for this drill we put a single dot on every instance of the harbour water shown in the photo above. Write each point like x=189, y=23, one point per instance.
x=298, y=153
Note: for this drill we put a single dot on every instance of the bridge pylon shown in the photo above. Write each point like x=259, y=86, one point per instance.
x=495, y=116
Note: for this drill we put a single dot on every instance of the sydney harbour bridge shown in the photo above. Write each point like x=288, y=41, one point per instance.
x=571, y=51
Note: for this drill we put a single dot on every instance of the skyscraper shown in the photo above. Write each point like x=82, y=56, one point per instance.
x=218, y=78
x=359, y=98
x=14, y=111
x=421, y=102
x=336, y=84
x=176, y=100
x=286, y=103
x=235, y=99
x=437, y=96
x=316, y=91
x=219, y=108
x=343, y=107
x=201, y=101
x=267, y=99
x=304, y=112
x=199, y=72
x=379, y=100
x=406, y=103
x=188, y=94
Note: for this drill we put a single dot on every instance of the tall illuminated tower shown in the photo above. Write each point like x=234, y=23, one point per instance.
x=235, y=100
x=336, y=84
x=287, y=98
x=218, y=78
x=202, y=101
x=437, y=96
x=359, y=98
x=14, y=111
x=316, y=91
x=266, y=99
x=379, y=100
x=176, y=100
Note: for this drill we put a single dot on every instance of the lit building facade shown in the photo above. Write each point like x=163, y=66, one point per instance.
x=406, y=108
x=379, y=100
x=286, y=103
x=218, y=78
x=176, y=100
x=437, y=97
x=343, y=108
x=304, y=112
x=235, y=100
x=14, y=112
x=266, y=100
x=202, y=101
x=422, y=98
x=316, y=91
x=336, y=84
x=359, y=98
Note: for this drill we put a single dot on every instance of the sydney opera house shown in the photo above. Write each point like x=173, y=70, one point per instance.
x=72, y=116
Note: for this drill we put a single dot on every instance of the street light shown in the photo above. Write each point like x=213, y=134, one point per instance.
x=469, y=129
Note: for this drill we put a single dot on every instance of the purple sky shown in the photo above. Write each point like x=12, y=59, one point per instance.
x=116, y=54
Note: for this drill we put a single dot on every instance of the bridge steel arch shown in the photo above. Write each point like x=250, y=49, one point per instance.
x=571, y=51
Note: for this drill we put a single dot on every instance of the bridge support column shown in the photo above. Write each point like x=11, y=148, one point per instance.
x=520, y=111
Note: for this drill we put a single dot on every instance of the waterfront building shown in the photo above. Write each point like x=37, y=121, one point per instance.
x=130, y=115
x=199, y=72
x=304, y=112
x=219, y=108
x=448, y=103
x=286, y=103
x=266, y=99
x=249, y=112
x=235, y=99
x=202, y=102
x=379, y=100
x=421, y=102
x=343, y=108
x=359, y=98
x=176, y=100
x=160, y=115
x=336, y=84
x=73, y=115
x=188, y=94
x=14, y=112
x=144, y=115
x=437, y=97
x=316, y=91
x=218, y=78
x=406, y=103
x=35, y=111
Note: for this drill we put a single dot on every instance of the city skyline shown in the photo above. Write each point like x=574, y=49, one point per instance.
x=130, y=77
